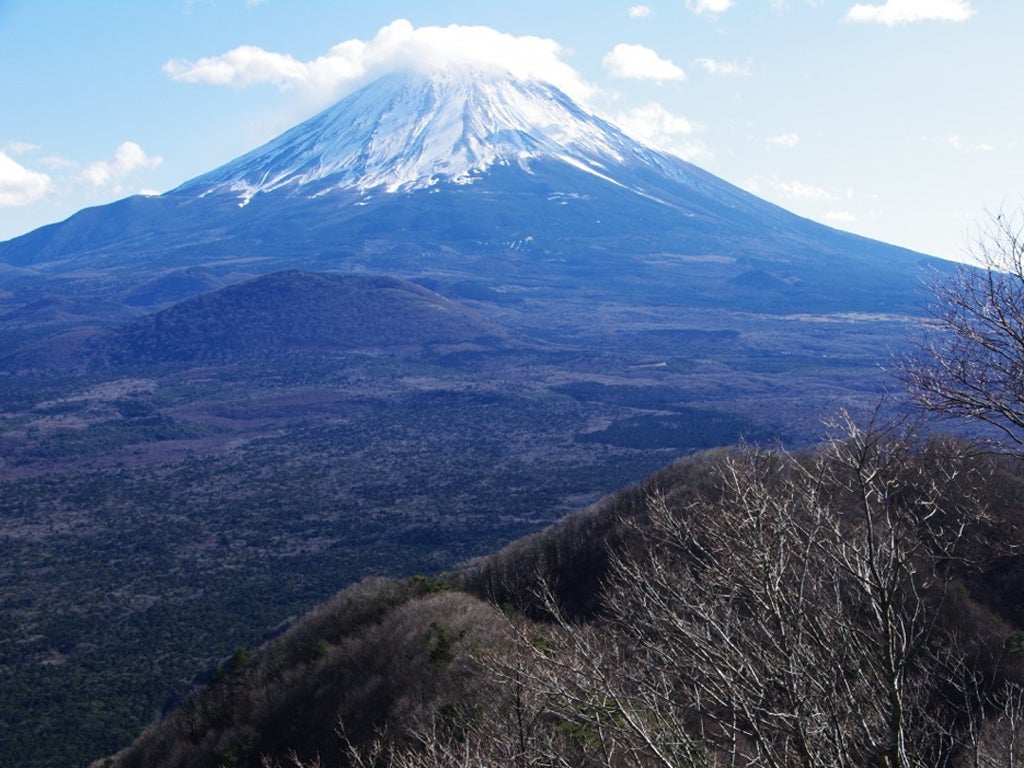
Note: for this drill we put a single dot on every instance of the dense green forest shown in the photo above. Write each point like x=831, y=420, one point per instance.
x=852, y=605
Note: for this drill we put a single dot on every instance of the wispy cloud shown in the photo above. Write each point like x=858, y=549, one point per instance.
x=787, y=140
x=57, y=163
x=19, y=147
x=20, y=185
x=725, y=68
x=894, y=12
x=781, y=6
x=957, y=142
x=398, y=46
x=660, y=128
x=128, y=158
x=709, y=6
x=841, y=217
x=640, y=12
x=638, y=62
x=250, y=65
x=796, y=190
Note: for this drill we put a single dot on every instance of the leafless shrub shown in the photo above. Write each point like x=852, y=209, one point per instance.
x=971, y=363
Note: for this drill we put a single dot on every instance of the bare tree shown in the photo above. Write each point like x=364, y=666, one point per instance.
x=971, y=361
x=788, y=615
x=1000, y=736
x=791, y=619
x=615, y=707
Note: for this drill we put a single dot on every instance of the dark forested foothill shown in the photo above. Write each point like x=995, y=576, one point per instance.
x=853, y=605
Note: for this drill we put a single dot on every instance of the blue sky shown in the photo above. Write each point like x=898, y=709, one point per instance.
x=897, y=119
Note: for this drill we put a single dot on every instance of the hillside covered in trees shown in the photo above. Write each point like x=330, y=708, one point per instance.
x=854, y=605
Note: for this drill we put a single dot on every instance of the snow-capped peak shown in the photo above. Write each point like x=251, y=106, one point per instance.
x=410, y=131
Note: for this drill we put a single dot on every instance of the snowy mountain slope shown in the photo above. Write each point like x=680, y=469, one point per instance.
x=463, y=177
x=406, y=132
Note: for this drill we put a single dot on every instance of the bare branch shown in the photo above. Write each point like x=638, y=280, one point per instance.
x=970, y=363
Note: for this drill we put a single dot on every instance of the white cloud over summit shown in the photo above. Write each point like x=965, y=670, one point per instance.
x=894, y=12
x=353, y=63
x=638, y=62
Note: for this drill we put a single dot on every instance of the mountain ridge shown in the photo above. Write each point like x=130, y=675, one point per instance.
x=288, y=313
x=539, y=626
x=501, y=182
x=293, y=312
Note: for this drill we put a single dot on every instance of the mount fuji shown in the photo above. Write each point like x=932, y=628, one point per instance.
x=403, y=134
x=476, y=184
x=434, y=317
